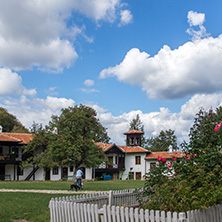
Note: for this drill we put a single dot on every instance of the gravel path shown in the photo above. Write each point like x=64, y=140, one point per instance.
x=51, y=191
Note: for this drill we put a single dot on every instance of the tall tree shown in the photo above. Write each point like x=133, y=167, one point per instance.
x=73, y=141
x=136, y=124
x=202, y=134
x=163, y=141
x=10, y=123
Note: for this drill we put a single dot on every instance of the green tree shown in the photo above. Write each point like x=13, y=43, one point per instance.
x=195, y=180
x=136, y=124
x=202, y=132
x=163, y=141
x=10, y=123
x=73, y=142
x=36, y=152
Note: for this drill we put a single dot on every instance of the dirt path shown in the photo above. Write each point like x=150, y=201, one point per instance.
x=50, y=191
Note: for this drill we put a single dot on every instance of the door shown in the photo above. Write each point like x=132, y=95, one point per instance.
x=47, y=174
x=121, y=163
x=110, y=161
x=64, y=172
x=138, y=175
x=2, y=171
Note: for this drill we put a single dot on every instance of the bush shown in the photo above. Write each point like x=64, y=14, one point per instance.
x=194, y=182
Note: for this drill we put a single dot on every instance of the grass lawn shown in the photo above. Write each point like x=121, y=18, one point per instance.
x=16, y=207
x=25, y=207
x=65, y=185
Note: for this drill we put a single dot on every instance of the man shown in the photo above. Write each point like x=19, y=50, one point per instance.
x=79, y=175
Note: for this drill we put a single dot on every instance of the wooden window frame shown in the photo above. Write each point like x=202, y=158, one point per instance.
x=137, y=160
x=55, y=171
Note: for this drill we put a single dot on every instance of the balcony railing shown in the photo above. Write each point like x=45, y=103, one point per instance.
x=10, y=158
x=111, y=166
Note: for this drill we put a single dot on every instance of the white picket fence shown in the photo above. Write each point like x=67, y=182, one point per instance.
x=62, y=211
x=121, y=214
x=116, y=198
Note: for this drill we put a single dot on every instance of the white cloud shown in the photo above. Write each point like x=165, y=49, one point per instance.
x=54, y=55
x=35, y=110
x=89, y=90
x=154, y=122
x=89, y=82
x=196, y=19
x=35, y=33
x=194, y=67
x=11, y=84
x=97, y=9
x=126, y=17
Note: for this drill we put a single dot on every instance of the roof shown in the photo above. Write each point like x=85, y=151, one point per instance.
x=133, y=132
x=22, y=138
x=135, y=149
x=125, y=149
x=166, y=155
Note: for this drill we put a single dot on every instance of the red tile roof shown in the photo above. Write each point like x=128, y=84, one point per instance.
x=23, y=138
x=136, y=149
x=124, y=149
x=133, y=132
x=166, y=155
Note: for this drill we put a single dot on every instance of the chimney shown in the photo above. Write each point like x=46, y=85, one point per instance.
x=1, y=129
x=170, y=149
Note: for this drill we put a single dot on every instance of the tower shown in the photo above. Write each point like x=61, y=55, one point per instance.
x=133, y=137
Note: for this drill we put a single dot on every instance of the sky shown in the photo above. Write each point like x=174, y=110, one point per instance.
x=159, y=59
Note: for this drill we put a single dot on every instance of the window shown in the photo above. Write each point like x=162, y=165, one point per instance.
x=55, y=171
x=131, y=176
x=115, y=159
x=138, y=160
x=137, y=141
x=131, y=141
x=71, y=169
x=1, y=150
x=152, y=164
x=15, y=152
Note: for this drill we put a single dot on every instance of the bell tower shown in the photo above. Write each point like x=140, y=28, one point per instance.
x=133, y=137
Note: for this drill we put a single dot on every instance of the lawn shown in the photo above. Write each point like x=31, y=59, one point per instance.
x=15, y=207
x=65, y=185
x=25, y=207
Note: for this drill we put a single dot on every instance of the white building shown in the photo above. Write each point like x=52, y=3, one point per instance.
x=124, y=162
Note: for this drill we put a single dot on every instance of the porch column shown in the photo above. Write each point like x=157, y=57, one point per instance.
x=14, y=172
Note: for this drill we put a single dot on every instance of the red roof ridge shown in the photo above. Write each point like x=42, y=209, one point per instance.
x=133, y=131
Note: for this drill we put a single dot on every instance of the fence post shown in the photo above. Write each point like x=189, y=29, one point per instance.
x=110, y=198
x=182, y=217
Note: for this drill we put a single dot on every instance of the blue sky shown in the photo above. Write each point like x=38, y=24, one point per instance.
x=159, y=59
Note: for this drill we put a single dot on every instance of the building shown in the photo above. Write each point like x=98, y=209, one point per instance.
x=11, y=146
x=124, y=162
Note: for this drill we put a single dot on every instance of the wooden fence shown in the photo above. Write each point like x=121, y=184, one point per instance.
x=62, y=211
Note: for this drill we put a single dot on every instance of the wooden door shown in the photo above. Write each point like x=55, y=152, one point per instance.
x=138, y=175
x=2, y=171
x=47, y=174
x=64, y=172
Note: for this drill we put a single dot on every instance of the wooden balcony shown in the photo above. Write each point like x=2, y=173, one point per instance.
x=111, y=167
x=9, y=159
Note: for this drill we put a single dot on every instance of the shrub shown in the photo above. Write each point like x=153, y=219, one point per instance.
x=194, y=182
